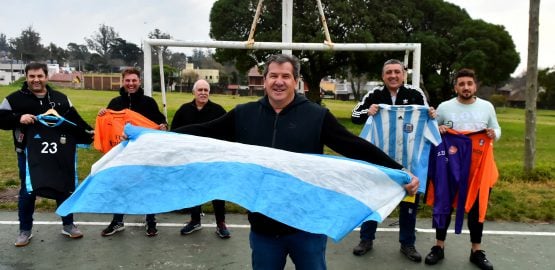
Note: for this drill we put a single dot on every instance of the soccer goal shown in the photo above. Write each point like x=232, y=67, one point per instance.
x=148, y=44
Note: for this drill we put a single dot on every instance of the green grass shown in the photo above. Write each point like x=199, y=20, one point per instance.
x=516, y=197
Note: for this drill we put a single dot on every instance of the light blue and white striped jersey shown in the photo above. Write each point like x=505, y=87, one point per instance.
x=405, y=133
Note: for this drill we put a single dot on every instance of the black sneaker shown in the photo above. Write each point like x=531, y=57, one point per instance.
x=191, y=227
x=113, y=228
x=363, y=247
x=411, y=253
x=151, y=229
x=435, y=255
x=479, y=259
x=222, y=231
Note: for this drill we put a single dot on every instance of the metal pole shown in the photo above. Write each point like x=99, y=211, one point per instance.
x=147, y=70
x=162, y=82
x=287, y=24
x=416, y=55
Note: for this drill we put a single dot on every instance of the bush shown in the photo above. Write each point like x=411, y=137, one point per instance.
x=498, y=100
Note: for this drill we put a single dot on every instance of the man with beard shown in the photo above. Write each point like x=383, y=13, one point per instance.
x=466, y=113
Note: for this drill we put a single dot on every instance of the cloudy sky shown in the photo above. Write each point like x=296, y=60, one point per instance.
x=64, y=21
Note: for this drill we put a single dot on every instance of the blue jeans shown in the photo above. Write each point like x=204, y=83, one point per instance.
x=407, y=224
x=26, y=201
x=307, y=251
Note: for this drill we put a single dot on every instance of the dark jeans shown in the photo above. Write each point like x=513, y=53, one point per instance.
x=407, y=224
x=307, y=251
x=219, y=211
x=476, y=228
x=26, y=201
x=150, y=218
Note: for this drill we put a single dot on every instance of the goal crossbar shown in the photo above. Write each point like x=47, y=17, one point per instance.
x=415, y=48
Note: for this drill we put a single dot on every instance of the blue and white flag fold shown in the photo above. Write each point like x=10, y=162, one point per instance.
x=156, y=172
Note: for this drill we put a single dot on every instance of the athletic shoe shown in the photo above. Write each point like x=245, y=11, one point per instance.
x=113, y=228
x=411, y=253
x=222, y=231
x=479, y=259
x=72, y=231
x=191, y=227
x=151, y=229
x=435, y=255
x=363, y=247
x=23, y=238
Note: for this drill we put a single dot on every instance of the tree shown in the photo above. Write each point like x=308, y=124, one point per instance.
x=531, y=86
x=27, y=46
x=102, y=40
x=546, y=80
x=168, y=76
x=128, y=52
x=78, y=55
x=56, y=54
x=158, y=34
x=4, y=43
x=447, y=34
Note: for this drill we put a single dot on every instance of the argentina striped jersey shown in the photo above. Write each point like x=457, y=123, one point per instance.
x=405, y=133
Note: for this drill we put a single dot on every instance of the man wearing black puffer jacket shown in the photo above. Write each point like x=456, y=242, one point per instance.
x=287, y=121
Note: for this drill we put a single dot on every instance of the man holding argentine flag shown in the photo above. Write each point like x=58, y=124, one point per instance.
x=285, y=120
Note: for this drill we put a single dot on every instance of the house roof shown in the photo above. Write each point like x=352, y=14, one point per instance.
x=253, y=72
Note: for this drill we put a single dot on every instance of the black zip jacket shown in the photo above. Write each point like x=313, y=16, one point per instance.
x=302, y=126
x=407, y=95
x=25, y=102
x=139, y=103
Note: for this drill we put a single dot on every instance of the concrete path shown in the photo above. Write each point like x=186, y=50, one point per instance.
x=507, y=245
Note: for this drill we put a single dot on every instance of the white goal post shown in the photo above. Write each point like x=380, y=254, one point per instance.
x=415, y=48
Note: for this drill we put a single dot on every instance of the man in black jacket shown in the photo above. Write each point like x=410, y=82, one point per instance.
x=132, y=97
x=201, y=110
x=285, y=120
x=393, y=92
x=19, y=112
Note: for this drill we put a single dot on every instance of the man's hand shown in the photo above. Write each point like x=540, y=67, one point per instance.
x=443, y=129
x=373, y=109
x=432, y=113
x=163, y=127
x=102, y=112
x=412, y=187
x=490, y=132
x=27, y=119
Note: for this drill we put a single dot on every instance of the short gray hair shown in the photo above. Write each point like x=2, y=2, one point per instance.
x=393, y=62
x=197, y=82
x=284, y=58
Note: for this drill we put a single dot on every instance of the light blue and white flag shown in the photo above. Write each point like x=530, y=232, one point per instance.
x=156, y=171
x=405, y=133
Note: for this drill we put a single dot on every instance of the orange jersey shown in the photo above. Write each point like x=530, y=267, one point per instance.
x=108, y=129
x=482, y=175
x=483, y=172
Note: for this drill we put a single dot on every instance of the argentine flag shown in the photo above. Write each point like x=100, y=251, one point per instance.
x=405, y=133
x=157, y=171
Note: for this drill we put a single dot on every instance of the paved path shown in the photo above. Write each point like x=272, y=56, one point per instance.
x=508, y=246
